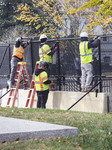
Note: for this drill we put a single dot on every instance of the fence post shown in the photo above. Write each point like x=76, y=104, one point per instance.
x=59, y=77
x=32, y=61
x=100, y=68
x=9, y=59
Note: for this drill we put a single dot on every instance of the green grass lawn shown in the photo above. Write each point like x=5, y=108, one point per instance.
x=94, y=130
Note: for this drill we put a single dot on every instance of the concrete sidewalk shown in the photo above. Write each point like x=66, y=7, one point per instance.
x=17, y=129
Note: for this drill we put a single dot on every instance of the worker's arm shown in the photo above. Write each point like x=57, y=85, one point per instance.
x=52, y=52
x=47, y=82
x=25, y=44
x=93, y=44
x=54, y=48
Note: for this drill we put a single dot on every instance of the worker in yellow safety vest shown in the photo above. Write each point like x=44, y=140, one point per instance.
x=18, y=56
x=46, y=52
x=86, y=57
x=42, y=85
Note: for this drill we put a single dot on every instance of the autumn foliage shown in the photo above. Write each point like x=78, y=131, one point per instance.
x=66, y=17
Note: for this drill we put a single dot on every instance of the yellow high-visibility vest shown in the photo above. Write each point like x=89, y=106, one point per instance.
x=85, y=53
x=19, y=52
x=39, y=81
x=43, y=53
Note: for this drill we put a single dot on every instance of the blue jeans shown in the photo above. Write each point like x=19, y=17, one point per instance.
x=13, y=70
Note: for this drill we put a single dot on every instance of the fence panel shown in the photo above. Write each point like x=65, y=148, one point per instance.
x=64, y=69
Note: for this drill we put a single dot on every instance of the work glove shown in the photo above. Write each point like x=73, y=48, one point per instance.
x=28, y=41
x=52, y=86
x=51, y=81
x=56, y=48
x=97, y=37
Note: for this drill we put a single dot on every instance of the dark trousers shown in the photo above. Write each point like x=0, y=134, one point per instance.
x=42, y=98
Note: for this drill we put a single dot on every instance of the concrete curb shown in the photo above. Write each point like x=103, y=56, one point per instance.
x=17, y=129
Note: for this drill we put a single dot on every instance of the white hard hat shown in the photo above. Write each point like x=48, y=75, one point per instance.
x=43, y=36
x=83, y=34
x=19, y=39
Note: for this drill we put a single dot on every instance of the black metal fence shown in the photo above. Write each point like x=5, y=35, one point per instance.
x=64, y=68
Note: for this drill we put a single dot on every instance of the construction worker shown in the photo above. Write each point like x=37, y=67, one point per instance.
x=46, y=52
x=42, y=84
x=86, y=57
x=18, y=56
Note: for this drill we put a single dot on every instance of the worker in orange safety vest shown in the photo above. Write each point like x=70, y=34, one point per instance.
x=18, y=56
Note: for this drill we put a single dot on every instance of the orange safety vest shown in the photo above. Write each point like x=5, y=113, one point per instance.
x=19, y=52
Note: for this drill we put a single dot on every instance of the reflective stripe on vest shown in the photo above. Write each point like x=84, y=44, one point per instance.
x=85, y=53
x=39, y=82
x=43, y=53
x=19, y=52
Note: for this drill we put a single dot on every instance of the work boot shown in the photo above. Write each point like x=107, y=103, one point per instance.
x=13, y=86
x=87, y=89
x=83, y=90
x=9, y=84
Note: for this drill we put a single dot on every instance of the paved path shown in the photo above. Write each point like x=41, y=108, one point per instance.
x=15, y=129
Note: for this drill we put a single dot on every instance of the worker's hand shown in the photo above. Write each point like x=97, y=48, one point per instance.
x=29, y=42
x=99, y=38
x=52, y=86
x=56, y=48
x=52, y=83
x=95, y=37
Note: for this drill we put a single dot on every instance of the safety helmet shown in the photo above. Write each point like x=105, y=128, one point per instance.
x=44, y=64
x=43, y=36
x=19, y=39
x=83, y=34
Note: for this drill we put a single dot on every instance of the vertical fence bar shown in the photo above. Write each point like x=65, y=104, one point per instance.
x=9, y=59
x=32, y=61
x=108, y=110
x=59, y=77
x=100, y=68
